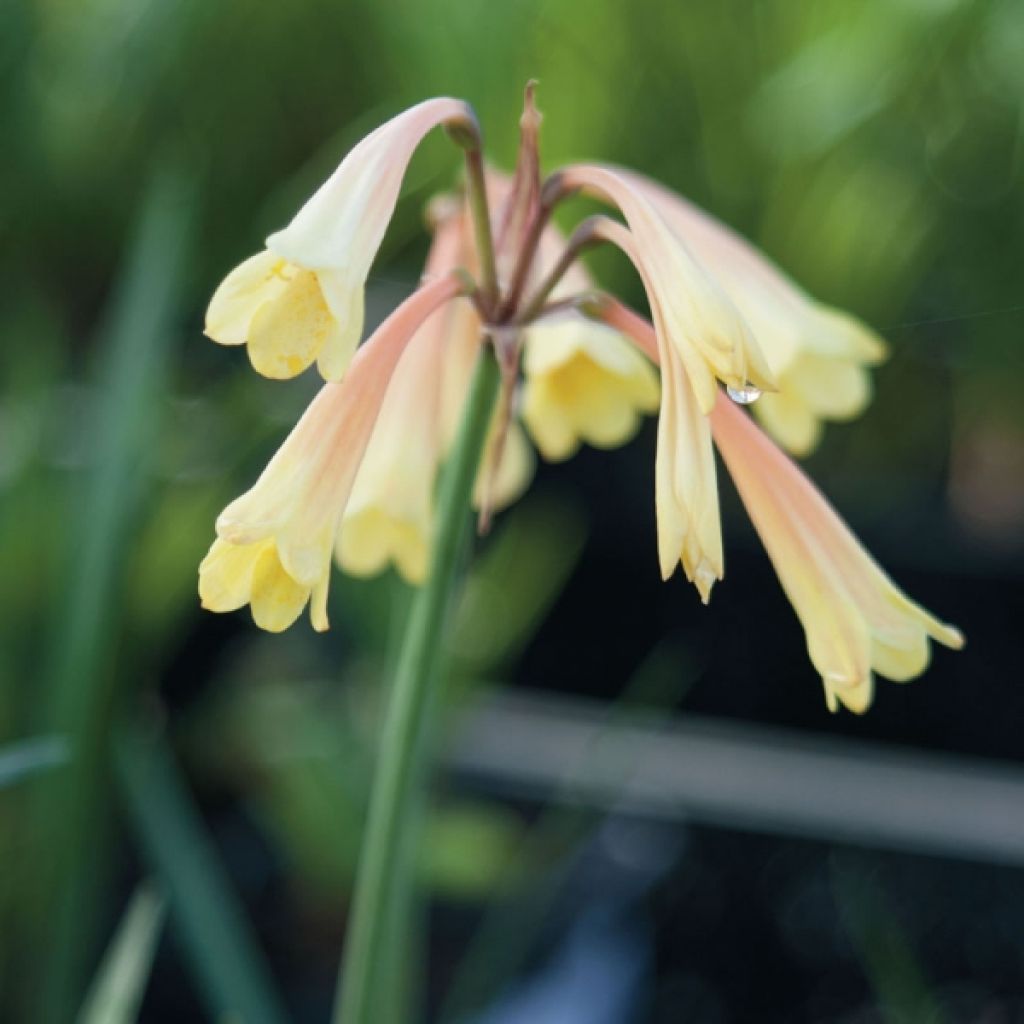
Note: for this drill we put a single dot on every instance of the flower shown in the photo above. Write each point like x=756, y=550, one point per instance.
x=707, y=331
x=685, y=485
x=301, y=299
x=818, y=355
x=855, y=618
x=389, y=519
x=583, y=381
x=356, y=477
x=274, y=543
x=389, y=516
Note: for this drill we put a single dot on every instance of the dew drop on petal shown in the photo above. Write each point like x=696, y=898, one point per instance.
x=745, y=395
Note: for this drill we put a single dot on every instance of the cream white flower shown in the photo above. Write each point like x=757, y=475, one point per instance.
x=686, y=493
x=275, y=542
x=857, y=621
x=708, y=332
x=301, y=299
x=819, y=356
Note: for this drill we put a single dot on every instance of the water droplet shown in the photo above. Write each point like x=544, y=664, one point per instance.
x=745, y=395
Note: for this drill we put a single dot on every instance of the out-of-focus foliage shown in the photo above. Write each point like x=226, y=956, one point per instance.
x=874, y=149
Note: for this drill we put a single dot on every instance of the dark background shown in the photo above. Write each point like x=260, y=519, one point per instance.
x=874, y=150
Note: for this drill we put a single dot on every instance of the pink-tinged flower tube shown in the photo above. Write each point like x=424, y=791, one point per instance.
x=686, y=489
x=301, y=299
x=857, y=621
x=389, y=518
x=818, y=355
x=274, y=543
x=700, y=321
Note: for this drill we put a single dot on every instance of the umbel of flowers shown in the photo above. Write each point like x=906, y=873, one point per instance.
x=354, y=482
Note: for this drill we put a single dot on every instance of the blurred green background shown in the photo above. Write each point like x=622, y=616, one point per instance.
x=873, y=149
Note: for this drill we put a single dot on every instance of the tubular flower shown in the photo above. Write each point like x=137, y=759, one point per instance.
x=685, y=486
x=389, y=518
x=274, y=543
x=855, y=618
x=707, y=331
x=583, y=381
x=355, y=480
x=301, y=299
x=818, y=355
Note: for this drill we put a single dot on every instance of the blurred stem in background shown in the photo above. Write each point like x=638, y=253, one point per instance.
x=71, y=811
x=382, y=881
x=515, y=916
x=884, y=949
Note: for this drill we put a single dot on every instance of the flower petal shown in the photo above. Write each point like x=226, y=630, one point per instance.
x=699, y=320
x=854, y=616
x=277, y=600
x=343, y=223
x=252, y=284
x=812, y=349
x=686, y=489
x=584, y=382
x=287, y=334
x=225, y=575
x=296, y=504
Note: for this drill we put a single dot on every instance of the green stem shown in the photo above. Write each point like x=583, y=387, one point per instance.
x=479, y=210
x=582, y=238
x=385, y=857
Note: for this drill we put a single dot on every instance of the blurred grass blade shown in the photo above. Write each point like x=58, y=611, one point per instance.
x=889, y=961
x=117, y=990
x=132, y=354
x=215, y=935
x=20, y=760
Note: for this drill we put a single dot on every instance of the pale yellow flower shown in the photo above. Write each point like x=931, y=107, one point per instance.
x=389, y=519
x=707, y=331
x=857, y=621
x=274, y=543
x=583, y=382
x=855, y=618
x=356, y=478
x=686, y=491
x=818, y=355
x=301, y=299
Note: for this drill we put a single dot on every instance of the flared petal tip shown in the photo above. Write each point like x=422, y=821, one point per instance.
x=704, y=579
x=855, y=695
x=240, y=532
x=859, y=341
x=950, y=636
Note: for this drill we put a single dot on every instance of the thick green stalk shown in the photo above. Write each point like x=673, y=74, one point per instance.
x=385, y=860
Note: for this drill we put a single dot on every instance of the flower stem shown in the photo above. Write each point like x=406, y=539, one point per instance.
x=480, y=213
x=584, y=237
x=385, y=856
